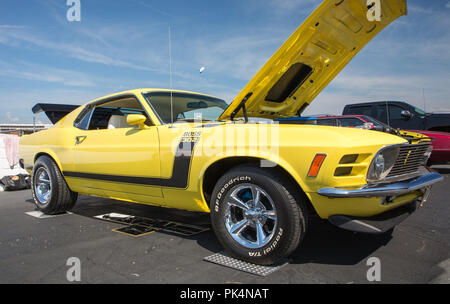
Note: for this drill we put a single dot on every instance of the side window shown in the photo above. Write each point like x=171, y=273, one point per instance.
x=360, y=110
x=101, y=117
x=325, y=122
x=111, y=114
x=82, y=122
x=395, y=112
x=381, y=113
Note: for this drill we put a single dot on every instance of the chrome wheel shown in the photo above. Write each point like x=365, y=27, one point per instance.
x=42, y=186
x=250, y=216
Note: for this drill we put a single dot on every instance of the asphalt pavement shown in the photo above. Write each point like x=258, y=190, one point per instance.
x=36, y=250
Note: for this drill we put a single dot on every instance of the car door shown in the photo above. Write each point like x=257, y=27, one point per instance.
x=391, y=114
x=111, y=155
x=418, y=118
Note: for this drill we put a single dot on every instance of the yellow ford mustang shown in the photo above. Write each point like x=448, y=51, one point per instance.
x=260, y=179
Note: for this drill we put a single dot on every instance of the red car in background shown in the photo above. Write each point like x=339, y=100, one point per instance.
x=441, y=142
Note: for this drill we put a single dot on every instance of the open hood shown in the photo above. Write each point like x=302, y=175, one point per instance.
x=314, y=54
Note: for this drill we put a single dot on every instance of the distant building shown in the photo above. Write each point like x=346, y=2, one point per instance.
x=21, y=129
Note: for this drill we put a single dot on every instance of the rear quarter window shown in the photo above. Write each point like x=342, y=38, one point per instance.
x=82, y=122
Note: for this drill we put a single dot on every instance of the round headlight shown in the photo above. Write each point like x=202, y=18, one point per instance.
x=382, y=164
x=427, y=155
x=378, y=166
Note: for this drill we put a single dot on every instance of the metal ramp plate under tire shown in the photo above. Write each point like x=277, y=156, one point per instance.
x=223, y=259
x=140, y=226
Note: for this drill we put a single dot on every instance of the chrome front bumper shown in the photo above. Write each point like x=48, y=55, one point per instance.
x=382, y=190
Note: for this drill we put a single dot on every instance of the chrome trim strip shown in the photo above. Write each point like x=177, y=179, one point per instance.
x=393, y=189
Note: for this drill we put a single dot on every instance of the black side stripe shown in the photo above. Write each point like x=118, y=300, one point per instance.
x=180, y=171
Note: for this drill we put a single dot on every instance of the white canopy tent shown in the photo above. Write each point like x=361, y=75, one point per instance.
x=5, y=169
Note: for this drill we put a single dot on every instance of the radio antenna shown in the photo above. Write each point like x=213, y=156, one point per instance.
x=170, y=75
x=387, y=114
x=424, y=101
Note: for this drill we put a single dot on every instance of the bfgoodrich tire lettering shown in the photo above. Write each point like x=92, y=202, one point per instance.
x=50, y=191
x=263, y=232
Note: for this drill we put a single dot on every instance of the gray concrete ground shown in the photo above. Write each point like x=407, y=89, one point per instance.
x=36, y=250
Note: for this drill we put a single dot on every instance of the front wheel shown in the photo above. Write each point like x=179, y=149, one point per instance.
x=257, y=216
x=50, y=191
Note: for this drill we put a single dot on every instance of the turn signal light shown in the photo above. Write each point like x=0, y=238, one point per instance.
x=316, y=164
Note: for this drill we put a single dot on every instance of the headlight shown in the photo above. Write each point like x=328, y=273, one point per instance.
x=427, y=155
x=382, y=164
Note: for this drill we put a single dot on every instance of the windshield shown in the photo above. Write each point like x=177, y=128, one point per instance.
x=419, y=111
x=381, y=126
x=185, y=106
x=375, y=122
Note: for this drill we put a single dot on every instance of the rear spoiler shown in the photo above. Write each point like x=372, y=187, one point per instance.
x=54, y=112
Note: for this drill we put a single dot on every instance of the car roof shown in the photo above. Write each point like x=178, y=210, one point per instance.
x=146, y=90
x=341, y=116
x=374, y=103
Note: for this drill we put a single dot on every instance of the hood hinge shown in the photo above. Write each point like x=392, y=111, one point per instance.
x=242, y=106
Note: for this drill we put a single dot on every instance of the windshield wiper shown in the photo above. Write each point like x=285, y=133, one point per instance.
x=192, y=119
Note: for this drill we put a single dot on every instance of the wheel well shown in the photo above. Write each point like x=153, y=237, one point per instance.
x=42, y=154
x=219, y=168
x=45, y=154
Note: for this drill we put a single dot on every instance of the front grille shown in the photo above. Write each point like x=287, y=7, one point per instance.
x=409, y=159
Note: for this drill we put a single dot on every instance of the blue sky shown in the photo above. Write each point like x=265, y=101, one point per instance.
x=123, y=44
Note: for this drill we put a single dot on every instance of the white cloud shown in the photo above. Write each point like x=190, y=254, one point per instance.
x=291, y=4
x=447, y=5
x=419, y=10
x=29, y=71
x=11, y=118
x=233, y=59
x=349, y=88
x=238, y=57
x=8, y=26
x=332, y=103
x=154, y=8
x=14, y=36
x=19, y=102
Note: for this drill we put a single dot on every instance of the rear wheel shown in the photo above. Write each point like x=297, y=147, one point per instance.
x=50, y=191
x=257, y=216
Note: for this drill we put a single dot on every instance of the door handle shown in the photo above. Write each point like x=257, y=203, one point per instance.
x=79, y=139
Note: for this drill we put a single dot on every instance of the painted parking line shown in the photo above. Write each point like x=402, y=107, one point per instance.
x=40, y=215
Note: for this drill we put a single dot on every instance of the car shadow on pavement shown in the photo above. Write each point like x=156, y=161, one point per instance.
x=327, y=244
x=442, y=170
x=323, y=243
x=93, y=206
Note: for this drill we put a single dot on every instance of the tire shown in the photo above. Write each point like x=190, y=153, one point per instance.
x=280, y=214
x=50, y=191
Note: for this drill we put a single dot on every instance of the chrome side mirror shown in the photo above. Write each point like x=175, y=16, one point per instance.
x=406, y=114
